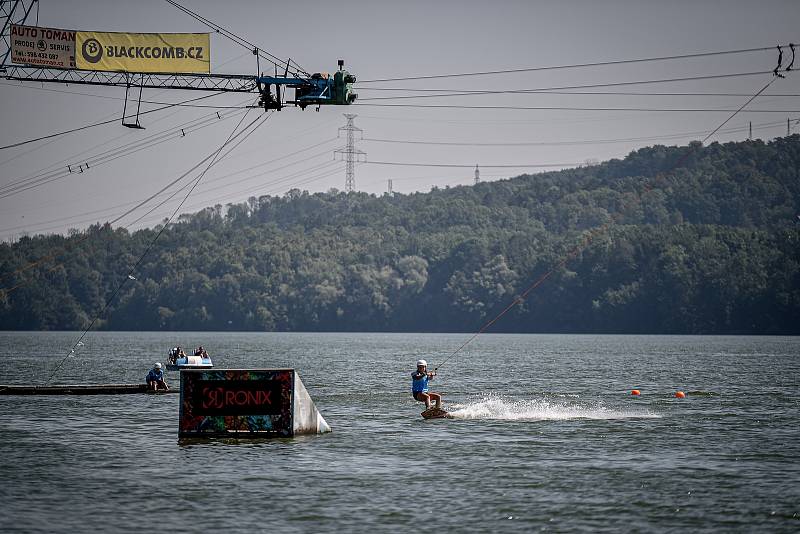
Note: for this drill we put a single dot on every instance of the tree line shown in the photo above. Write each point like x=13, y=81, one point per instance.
x=710, y=246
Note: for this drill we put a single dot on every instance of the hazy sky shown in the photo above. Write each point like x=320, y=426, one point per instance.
x=381, y=39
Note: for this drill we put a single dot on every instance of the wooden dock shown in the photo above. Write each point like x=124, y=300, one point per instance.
x=79, y=389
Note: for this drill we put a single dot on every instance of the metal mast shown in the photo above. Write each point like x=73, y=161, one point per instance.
x=477, y=174
x=12, y=12
x=350, y=153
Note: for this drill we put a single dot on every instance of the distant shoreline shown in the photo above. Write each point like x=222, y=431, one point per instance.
x=363, y=332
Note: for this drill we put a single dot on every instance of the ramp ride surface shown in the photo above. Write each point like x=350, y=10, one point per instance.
x=246, y=403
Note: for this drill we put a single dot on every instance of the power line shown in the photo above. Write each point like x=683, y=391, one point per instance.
x=152, y=243
x=170, y=197
x=228, y=184
x=585, y=86
x=108, y=156
x=566, y=143
x=189, y=126
x=52, y=256
x=211, y=164
x=285, y=179
x=37, y=88
x=573, y=66
x=225, y=185
x=706, y=138
x=87, y=126
x=589, y=238
x=567, y=108
x=168, y=186
x=470, y=166
x=275, y=60
x=556, y=92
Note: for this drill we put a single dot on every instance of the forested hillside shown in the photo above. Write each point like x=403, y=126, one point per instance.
x=712, y=246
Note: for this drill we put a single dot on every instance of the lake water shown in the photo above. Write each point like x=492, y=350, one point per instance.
x=546, y=437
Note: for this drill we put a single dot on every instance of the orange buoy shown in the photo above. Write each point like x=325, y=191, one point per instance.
x=680, y=395
x=635, y=392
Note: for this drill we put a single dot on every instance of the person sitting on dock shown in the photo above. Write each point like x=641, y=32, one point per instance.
x=419, y=385
x=155, y=379
x=181, y=354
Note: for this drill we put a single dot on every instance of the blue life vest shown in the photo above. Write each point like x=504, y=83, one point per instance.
x=419, y=382
x=155, y=375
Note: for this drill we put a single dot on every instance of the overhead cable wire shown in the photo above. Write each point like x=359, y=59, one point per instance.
x=30, y=182
x=151, y=245
x=108, y=156
x=241, y=41
x=261, y=174
x=52, y=256
x=143, y=202
x=37, y=88
x=260, y=192
x=249, y=190
x=106, y=142
x=203, y=191
x=175, y=193
x=101, y=123
x=212, y=157
x=458, y=165
x=574, y=65
x=569, y=143
x=591, y=235
x=568, y=108
x=61, y=169
x=584, y=86
x=557, y=92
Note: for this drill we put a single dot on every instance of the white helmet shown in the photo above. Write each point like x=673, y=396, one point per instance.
x=422, y=362
x=157, y=365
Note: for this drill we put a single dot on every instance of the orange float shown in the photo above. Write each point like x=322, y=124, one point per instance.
x=680, y=395
x=635, y=392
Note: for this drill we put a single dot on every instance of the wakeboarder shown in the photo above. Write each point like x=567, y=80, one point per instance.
x=419, y=385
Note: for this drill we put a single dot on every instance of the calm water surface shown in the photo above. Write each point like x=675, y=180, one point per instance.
x=546, y=437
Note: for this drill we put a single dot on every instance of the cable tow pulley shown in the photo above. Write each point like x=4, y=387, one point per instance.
x=780, y=62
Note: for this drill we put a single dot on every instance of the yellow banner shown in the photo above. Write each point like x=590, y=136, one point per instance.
x=143, y=52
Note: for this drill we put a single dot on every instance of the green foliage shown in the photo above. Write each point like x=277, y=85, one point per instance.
x=708, y=247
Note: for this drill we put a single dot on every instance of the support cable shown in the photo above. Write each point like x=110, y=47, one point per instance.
x=152, y=243
x=585, y=86
x=591, y=235
x=241, y=41
x=573, y=66
x=52, y=256
x=569, y=143
x=46, y=177
x=141, y=203
x=87, y=126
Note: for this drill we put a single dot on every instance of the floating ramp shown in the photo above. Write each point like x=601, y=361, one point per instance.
x=246, y=403
x=77, y=389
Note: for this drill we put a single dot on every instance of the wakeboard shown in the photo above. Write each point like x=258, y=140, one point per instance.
x=436, y=413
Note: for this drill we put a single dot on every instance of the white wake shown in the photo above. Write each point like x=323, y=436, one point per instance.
x=539, y=410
